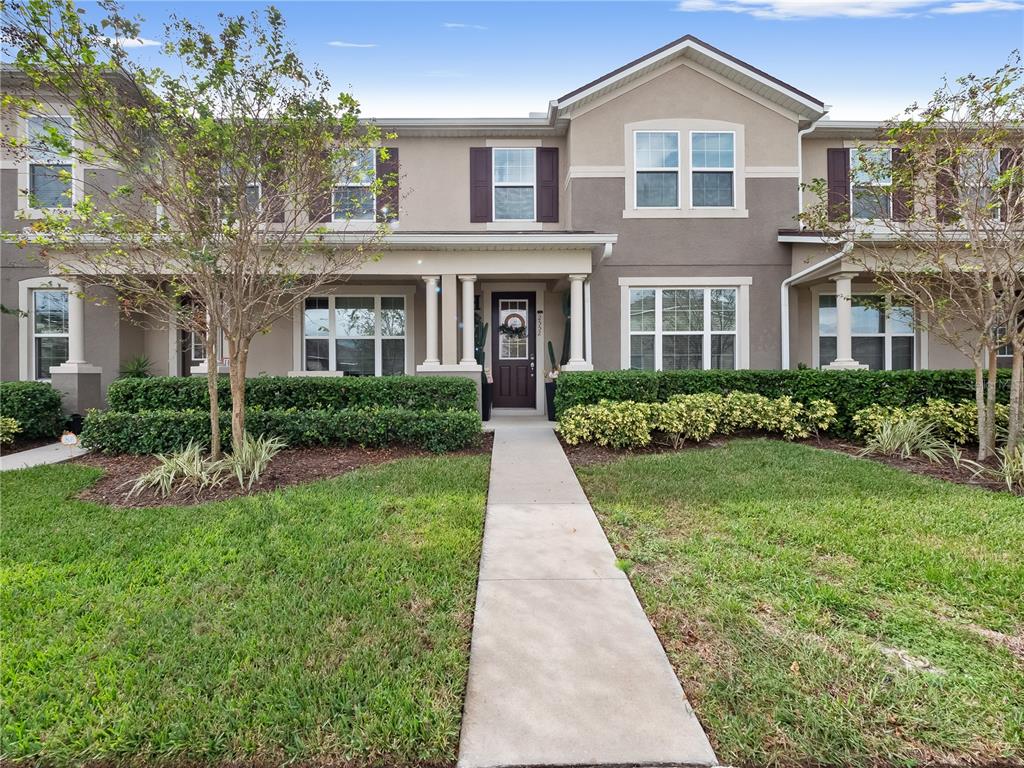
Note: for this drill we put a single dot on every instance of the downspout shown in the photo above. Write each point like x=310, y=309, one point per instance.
x=800, y=168
x=784, y=296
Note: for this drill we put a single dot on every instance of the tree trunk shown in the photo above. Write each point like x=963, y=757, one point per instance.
x=993, y=395
x=979, y=400
x=211, y=388
x=1016, y=392
x=239, y=358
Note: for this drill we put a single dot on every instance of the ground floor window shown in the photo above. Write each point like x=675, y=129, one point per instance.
x=355, y=335
x=882, y=332
x=49, y=330
x=675, y=328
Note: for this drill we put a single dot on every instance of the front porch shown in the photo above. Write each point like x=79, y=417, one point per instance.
x=432, y=305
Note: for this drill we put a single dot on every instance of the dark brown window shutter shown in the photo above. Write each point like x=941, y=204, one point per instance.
x=902, y=186
x=321, y=201
x=480, y=184
x=547, y=184
x=387, y=200
x=272, y=194
x=946, y=209
x=839, y=184
x=1009, y=159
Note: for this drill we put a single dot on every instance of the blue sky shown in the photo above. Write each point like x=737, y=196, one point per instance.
x=867, y=58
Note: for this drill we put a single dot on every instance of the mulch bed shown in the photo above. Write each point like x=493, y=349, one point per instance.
x=290, y=467
x=586, y=454
x=919, y=466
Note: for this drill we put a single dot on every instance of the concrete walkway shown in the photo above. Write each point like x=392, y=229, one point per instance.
x=54, y=453
x=565, y=668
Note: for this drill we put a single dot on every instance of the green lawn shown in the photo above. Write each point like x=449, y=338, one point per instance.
x=327, y=622
x=785, y=581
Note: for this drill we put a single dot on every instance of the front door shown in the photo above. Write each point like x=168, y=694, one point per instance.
x=514, y=349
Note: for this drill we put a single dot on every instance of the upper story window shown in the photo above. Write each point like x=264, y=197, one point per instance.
x=978, y=172
x=657, y=169
x=712, y=169
x=49, y=330
x=515, y=184
x=882, y=332
x=869, y=176
x=354, y=199
x=49, y=173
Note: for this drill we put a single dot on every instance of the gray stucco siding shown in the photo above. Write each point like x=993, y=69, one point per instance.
x=675, y=247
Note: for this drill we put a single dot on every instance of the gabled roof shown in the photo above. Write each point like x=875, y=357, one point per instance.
x=712, y=58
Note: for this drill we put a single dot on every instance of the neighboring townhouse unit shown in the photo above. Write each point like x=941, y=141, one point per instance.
x=650, y=215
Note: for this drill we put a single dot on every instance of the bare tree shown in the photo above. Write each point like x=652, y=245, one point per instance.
x=237, y=179
x=934, y=213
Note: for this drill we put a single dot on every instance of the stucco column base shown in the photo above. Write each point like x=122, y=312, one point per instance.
x=578, y=365
x=845, y=365
x=79, y=386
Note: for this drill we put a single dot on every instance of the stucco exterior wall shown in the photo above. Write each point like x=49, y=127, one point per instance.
x=709, y=248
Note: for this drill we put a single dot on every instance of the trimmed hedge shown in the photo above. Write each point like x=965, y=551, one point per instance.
x=164, y=431
x=35, y=405
x=181, y=393
x=851, y=391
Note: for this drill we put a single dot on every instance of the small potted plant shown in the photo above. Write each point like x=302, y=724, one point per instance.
x=549, y=384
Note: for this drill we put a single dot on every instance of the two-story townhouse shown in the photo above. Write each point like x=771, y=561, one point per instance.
x=650, y=215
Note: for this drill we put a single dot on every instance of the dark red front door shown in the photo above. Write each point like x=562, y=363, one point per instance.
x=514, y=349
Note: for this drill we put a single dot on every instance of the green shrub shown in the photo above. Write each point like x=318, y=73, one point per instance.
x=166, y=431
x=955, y=423
x=611, y=424
x=35, y=405
x=629, y=424
x=9, y=429
x=688, y=417
x=182, y=393
x=849, y=391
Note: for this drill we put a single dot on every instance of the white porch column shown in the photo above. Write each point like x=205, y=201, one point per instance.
x=844, y=324
x=449, y=320
x=431, y=312
x=468, y=320
x=76, y=325
x=576, y=360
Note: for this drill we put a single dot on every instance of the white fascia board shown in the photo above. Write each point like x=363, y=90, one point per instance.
x=682, y=47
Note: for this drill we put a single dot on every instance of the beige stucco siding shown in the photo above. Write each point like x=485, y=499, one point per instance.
x=434, y=182
x=597, y=136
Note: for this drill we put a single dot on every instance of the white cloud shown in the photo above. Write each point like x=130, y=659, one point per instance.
x=133, y=42
x=805, y=9
x=342, y=44
x=976, y=6
x=460, y=25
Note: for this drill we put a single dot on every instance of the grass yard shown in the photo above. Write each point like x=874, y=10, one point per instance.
x=324, y=623
x=825, y=610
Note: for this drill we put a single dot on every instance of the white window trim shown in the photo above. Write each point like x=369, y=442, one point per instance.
x=26, y=328
x=740, y=284
x=919, y=337
x=495, y=184
x=352, y=291
x=695, y=169
x=677, y=170
x=685, y=211
x=25, y=210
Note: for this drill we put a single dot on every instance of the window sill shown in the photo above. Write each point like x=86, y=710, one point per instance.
x=685, y=213
x=29, y=214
